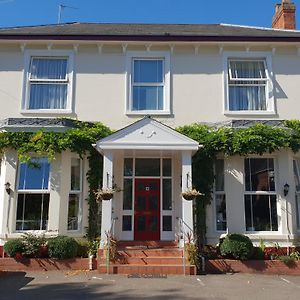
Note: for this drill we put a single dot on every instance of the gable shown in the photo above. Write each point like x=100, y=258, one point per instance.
x=147, y=134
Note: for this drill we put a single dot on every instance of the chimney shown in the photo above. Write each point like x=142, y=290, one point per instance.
x=285, y=17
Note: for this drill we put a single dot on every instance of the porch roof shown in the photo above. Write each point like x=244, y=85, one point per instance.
x=147, y=134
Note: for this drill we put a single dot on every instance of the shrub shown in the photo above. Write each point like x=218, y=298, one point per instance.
x=237, y=246
x=83, y=248
x=191, y=251
x=62, y=247
x=287, y=260
x=34, y=246
x=12, y=247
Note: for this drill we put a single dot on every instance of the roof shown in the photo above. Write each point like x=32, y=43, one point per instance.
x=158, y=32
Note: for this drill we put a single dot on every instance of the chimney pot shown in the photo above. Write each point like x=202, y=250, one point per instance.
x=285, y=15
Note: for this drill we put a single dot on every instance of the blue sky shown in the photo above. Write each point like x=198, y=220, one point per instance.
x=242, y=12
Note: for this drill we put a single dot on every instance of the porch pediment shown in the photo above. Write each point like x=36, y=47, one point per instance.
x=147, y=134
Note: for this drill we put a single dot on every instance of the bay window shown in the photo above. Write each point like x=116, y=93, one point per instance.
x=296, y=165
x=260, y=195
x=33, y=195
x=220, y=196
x=74, y=205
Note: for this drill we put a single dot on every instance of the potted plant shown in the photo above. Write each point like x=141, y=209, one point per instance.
x=190, y=194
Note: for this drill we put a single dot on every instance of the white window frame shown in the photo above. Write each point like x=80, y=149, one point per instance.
x=76, y=192
x=51, y=54
x=152, y=55
x=264, y=193
x=244, y=56
x=29, y=191
x=219, y=193
x=297, y=194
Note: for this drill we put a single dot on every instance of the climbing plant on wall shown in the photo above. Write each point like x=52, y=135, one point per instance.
x=79, y=139
x=257, y=139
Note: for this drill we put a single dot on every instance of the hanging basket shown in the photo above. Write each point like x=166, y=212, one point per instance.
x=104, y=194
x=190, y=194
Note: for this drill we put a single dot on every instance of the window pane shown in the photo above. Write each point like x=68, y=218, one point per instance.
x=127, y=223
x=75, y=174
x=296, y=166
x=221, y=220
x=247, y=69
x=46, y=68
x=219, y=174
x=167, y=194
x=298, y=210
x=34, y=176
x=148, y=71
x=167, y=223
x=167, y=167
x=127, y=194
x=73, y=212
x=148, y=98
x=247, y=98
x=147, y=167
x=48, y=96
x=32, y=211
x=261, y=213
x=128, y=167
x=259, y=174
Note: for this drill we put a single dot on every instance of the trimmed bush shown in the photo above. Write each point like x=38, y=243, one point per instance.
x=34, y=245
x=237, y=246
x=12, y=247
x=62, y=247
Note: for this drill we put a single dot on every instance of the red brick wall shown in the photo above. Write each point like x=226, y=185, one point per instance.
x=284, y=17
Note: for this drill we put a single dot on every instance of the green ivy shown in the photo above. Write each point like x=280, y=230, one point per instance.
x=257, y=139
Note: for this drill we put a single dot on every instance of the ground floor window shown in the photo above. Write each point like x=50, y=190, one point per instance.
x=75, y=195
x=33, y=195
x=260, y=195
x=296, y=165
x=220, y=196
x=32, y=212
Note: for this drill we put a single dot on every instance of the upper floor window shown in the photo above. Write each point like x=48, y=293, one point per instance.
x=48, y=83
x=148, y=83
x=249, y=87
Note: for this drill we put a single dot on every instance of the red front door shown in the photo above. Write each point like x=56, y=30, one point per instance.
x=147, y=210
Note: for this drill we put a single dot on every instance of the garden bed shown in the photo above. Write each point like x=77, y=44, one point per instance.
x=45, y=264
x=221, y=266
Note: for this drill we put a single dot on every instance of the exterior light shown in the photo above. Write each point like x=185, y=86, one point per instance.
x=286, y=189
x=7, y=188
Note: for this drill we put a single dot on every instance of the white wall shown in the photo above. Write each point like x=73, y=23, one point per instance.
x=196, y=83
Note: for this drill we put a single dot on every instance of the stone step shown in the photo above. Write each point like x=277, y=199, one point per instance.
x=147, y=244
x=164, y=261
x=154, y=269
x=164, y=252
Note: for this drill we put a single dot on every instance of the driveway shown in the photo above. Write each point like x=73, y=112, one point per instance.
x=91, y=285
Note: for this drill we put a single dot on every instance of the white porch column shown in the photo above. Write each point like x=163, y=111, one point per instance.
x=187, y=206
x=107, y=204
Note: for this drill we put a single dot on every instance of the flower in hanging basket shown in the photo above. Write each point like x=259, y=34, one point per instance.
x=190, y=194
x=104, y=194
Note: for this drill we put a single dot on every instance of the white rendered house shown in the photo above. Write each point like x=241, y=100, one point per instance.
x=120, y=74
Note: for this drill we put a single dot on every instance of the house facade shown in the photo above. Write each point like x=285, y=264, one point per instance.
x=144, y=81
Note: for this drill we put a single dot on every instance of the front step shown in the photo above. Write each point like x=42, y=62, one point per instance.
x=151, y=269
x=150, y=257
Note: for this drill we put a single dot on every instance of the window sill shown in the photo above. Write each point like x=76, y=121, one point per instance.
x=262, y=232
x=249, y=113
x=148, y=112
x=46, y=111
